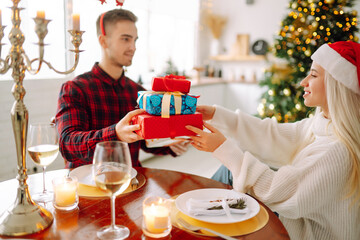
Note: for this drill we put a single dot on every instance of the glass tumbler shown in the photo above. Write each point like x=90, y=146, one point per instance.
x=156, y=217
x=65, y=193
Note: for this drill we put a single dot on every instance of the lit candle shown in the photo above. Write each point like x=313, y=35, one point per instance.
x=40, y=14
x=76, y=22
x=65, y=193
x=156, y=218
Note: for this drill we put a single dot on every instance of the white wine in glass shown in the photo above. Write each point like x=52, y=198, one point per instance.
x=112, y=180
x=111, y=171
x=43, y=148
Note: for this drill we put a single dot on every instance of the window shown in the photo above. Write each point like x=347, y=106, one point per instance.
x=54, y=51
x=166, y=29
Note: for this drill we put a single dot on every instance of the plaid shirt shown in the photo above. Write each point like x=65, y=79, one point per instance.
x=89, y=108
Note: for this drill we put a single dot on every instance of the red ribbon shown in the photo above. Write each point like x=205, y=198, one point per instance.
x=171, y=76
x=169, y=81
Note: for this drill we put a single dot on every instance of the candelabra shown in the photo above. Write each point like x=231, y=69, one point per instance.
x=25, y=216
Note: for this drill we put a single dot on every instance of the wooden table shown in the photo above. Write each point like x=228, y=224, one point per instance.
x=94, y=213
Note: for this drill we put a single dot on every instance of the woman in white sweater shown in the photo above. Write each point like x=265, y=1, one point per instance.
x=316, y=187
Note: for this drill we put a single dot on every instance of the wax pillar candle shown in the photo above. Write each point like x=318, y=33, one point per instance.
x=65, y=193
x=156, y=217
x=40, y=14
x=76, y=22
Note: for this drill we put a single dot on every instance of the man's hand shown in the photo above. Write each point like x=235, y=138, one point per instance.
x=125, y=131
x=180, y=148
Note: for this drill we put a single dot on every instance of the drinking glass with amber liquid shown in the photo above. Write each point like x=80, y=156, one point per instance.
x=111, y=172
x=43, y=148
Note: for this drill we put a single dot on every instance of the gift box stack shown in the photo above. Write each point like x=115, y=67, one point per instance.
x=169, y=108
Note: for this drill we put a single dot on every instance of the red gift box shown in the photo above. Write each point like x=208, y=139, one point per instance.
x=170, y=83
x=157, y=127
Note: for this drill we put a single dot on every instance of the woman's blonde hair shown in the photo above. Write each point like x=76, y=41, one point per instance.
x=344, y=111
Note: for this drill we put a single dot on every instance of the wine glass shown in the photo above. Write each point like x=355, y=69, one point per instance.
x=111, y=171
x=43, y=148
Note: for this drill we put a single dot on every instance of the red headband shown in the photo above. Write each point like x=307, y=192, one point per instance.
x=102, y=27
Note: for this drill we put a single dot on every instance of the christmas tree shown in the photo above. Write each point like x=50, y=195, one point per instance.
x=170, y=68
x=308, y=25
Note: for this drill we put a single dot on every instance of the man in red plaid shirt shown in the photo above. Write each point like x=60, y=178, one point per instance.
x=98, y=105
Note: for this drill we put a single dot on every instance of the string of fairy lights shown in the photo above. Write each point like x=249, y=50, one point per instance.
x=308, y=25
x=306, y=14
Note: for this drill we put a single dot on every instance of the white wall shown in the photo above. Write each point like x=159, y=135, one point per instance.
x=261, y=20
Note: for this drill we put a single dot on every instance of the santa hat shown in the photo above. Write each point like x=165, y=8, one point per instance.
x=342, y=61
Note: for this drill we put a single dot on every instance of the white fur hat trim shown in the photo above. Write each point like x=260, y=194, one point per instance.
x=340, y=68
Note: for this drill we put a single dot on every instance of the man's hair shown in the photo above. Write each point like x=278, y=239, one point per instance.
x=114, y=16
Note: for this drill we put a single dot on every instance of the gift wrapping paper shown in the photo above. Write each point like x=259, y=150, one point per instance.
x=167, y=103
x=157, y=127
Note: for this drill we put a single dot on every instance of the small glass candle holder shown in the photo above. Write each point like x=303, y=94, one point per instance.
x=156, y=217
x=65, y=193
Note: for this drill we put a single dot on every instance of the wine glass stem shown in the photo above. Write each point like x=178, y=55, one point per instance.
x=44, y=188
x=113, y=211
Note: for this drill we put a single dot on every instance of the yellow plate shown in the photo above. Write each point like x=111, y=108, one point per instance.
x=90, y=191
x=231, y=229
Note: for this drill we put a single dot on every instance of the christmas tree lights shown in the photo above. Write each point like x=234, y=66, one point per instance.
x=308, y=25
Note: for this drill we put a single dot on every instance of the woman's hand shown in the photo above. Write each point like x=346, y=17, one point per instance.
x=207, y=111
x=206, y=141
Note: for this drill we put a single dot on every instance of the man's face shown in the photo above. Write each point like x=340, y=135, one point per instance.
x=120, y=40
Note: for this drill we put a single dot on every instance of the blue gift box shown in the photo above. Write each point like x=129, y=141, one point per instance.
x=154, y=102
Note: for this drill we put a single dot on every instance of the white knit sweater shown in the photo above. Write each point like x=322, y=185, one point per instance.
x=309, y=188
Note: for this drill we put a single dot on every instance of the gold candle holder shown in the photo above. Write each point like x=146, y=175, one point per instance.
x=1, y=36
x=76, y=39
x=24, y=216
x=41, y=28
x=2, y=62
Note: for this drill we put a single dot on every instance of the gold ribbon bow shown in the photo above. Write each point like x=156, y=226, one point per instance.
x=165, y=104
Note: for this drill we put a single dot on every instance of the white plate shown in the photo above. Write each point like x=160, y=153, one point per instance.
x=85, y=176
x=213, y=193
